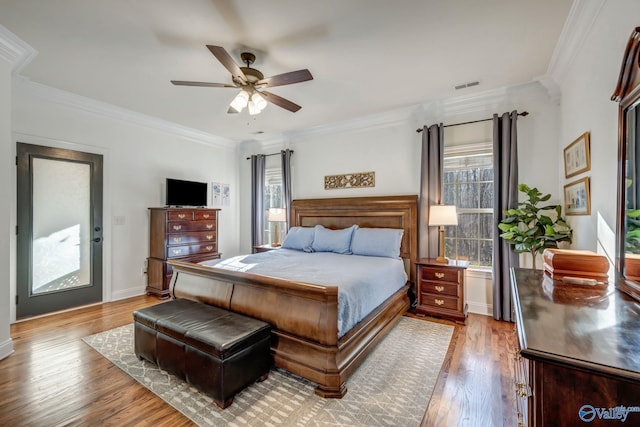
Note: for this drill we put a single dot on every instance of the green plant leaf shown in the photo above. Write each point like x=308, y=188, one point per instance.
x=531, y=228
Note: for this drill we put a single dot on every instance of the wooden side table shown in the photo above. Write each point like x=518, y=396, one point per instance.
x=264, y=248
x=440, y=289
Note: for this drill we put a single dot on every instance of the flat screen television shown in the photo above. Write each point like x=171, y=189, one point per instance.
x=186, y=193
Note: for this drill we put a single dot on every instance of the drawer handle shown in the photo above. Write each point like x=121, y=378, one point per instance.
x=522, y=389
x=177, y=239
x=439, y=288
x=205, y=216
x=439, y=275
x=209, y=248
x=439, y=301
x=177, y=227
x=177, y=251
x=516, y=354
x=209, y=236
x=181, y=216
x=209, y=226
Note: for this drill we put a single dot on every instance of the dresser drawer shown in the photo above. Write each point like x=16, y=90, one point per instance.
x=195, y=249
x=193, y=237
x=205, y=215
x=180, y=215
x=440, y=301
x=182, y=226
x=452, y=289
x=439, y=275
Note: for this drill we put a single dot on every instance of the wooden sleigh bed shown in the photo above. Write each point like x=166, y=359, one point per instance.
x=304, y=316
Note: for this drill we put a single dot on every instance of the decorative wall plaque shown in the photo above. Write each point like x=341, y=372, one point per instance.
x=350, y=180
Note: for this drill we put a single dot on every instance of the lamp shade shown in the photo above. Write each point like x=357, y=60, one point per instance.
x=443, y=215
x=277, y=215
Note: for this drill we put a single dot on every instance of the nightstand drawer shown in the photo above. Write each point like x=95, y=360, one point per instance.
x=452, y=289
x=440, y=301
x=439, y=274
x=440, y=289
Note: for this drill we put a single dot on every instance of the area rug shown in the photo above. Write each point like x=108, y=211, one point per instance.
x=392, y=387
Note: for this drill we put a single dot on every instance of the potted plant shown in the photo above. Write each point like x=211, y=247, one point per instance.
x=532, y=229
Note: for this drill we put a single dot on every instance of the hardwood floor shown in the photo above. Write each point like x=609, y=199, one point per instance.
x=475, y=386
x=53, y=378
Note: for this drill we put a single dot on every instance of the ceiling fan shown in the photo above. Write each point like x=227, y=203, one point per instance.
x=252, y=83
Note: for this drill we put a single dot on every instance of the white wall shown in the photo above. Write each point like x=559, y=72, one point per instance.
x=6, y=193
x=587, y=84
x=137, y=159
x=390, y=146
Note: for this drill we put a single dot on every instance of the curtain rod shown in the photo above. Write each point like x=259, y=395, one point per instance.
x=523, y=114
x=272, y=154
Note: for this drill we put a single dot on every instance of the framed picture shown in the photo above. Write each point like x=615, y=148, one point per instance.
x=577, y=158
x=577, y=200
x=216, y=194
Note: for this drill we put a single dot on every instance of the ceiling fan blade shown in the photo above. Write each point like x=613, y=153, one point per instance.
x=280, y=101
x=183, y=83
x=225, y=59
x=286, y=78
x=232, y=110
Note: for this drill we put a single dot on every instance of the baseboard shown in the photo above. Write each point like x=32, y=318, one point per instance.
x=127, y=293
x=6, y=349
x=479, y=308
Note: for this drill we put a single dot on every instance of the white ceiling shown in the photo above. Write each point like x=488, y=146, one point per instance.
x=366, y=56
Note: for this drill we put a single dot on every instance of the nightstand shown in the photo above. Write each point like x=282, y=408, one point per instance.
x=264, y=248
x=440, y=289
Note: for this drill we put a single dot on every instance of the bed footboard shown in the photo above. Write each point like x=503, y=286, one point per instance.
x=303, y=316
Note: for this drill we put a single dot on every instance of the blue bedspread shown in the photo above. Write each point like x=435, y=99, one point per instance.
x=364, y=282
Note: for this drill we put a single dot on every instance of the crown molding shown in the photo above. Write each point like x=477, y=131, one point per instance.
x=99, y=108
x=373, y=121
x=580, y=20
x=14, y=50
x=474, y=105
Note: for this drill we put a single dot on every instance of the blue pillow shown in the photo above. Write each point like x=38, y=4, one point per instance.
x=299, y=238
x=382, y=242
x=338, y=241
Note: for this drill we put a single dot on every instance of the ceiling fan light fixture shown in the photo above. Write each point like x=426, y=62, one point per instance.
x=259, y=101
x=253, y=109
x=240, y=101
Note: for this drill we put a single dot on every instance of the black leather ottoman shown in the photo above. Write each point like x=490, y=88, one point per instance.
x=215, y=350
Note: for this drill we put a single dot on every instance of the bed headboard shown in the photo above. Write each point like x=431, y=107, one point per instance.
x=374, y=212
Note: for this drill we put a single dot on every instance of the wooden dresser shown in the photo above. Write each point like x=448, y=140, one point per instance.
x=578, y=361
x=440, y=289
x=187, y=234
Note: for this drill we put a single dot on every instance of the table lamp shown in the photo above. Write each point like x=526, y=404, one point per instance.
x=276, y=215
x=439, y=216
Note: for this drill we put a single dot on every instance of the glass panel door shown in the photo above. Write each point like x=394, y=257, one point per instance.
x=59, y=243
x=61, y=225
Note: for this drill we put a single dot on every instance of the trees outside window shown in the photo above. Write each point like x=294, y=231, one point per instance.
x=468, y=184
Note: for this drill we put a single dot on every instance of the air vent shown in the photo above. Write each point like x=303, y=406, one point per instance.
x=465, y=85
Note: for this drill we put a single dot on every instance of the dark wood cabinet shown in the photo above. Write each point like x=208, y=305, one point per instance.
x=187, y=234
x=578, y=361
x=440, y=289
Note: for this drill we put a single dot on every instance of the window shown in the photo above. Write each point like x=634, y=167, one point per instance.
x=272, y=199
x=468, y=184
